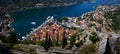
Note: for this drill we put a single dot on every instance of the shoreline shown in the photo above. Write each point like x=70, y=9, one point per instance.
x=88, y=30
x=8, y=10
x=89, y=12
x=54, y=6
x=103, y=33
x=49, y=18
x=83, y=15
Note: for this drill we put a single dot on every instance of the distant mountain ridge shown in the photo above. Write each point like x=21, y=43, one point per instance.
x=23, y=3
x=6, y=6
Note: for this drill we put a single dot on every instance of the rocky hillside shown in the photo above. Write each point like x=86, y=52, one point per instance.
x=6, y=6
x=33, y=2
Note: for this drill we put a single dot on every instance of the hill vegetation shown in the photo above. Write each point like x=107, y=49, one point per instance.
x=115, y=16
x=33, y=2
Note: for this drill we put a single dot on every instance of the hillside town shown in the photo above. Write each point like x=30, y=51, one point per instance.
x=92, y=20
x=94, y=32
x=91, y=28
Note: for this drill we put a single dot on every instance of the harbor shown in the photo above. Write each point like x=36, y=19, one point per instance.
x=49, y=18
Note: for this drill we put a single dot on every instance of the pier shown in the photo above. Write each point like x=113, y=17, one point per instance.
x=49, y=18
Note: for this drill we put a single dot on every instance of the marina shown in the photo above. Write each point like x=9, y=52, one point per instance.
x=49, y=18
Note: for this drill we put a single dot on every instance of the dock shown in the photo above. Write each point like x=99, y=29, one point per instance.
x=49, y=18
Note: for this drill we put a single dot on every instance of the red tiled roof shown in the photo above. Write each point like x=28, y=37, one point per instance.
x=54, y=31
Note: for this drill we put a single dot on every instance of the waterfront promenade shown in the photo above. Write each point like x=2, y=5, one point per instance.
x=49, y=18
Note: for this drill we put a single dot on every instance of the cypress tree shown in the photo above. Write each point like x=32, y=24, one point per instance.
x=64, y=40
x=47, y=42
x=78, y=37
x=57, y=40
x=72, y=39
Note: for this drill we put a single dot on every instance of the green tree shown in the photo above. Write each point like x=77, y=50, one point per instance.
x=78, y=44
x=28, y=42
x=100, y=21
x=57, y=40
x=47, y=42
x=72, y=39
x=61, y=19
x=115, y=16
x=11, y=39
x=94, y=37
x=64, y=40
x=78, y=37
x=118, y=47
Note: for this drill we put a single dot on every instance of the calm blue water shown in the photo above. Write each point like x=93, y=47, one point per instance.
x=23, y=19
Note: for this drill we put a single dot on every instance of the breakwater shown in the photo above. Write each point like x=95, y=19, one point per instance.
x=49, y=18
